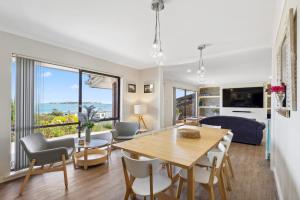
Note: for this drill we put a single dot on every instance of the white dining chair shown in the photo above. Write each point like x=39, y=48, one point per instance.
x=204, y=161
x=227, y=157
x=210, y=126
x=208, y=176
x=144, y=177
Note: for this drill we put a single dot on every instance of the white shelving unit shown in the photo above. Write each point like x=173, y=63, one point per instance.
x=209, y=101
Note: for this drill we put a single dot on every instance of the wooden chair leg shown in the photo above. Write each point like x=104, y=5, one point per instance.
x=227, y=179
x=74, y=163
x=210, y=190
x=127, y=195
x=65, y=171
x=222, y=187
x=230, y=166
x=27, y=177
x=169, y=170
x=179, y=189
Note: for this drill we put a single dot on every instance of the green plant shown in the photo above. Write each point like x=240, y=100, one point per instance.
x=107, y=126
x=86, y=118
x=178, y=111
x=215, y=110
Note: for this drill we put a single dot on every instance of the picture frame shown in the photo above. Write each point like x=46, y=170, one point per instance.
x=149, y=88
x=131, y=88
x=286, y=64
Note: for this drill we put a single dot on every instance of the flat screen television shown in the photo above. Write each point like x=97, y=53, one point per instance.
x=251, y=97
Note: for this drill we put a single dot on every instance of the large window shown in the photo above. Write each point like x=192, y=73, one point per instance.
x=60, y=93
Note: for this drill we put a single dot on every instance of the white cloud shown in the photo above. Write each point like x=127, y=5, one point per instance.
x=75, y=86
x=46, y=74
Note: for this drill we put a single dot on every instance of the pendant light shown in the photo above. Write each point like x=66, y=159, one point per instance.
x=201, y=69
x=157, y=52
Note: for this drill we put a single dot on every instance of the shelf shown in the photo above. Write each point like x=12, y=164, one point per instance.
x=207, y=97
x=209, y=107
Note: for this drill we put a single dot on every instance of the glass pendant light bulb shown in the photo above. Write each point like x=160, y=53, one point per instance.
x=202, y=68
x=198, y=71
x=155, y=45
x=188, y=70
x=160, y=58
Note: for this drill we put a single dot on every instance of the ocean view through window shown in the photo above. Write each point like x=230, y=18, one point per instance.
x=60, y=93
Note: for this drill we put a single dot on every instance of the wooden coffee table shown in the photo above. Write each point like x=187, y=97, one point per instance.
x=91, y=154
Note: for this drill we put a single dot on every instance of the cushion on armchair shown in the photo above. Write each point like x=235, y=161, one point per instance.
x=47, y=152
x=125, y=130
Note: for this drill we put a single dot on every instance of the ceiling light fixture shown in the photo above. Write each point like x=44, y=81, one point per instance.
x=157, y=52
x=201, y=69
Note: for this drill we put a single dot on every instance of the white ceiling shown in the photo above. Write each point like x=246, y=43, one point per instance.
x=251, y=66
x=122, y=30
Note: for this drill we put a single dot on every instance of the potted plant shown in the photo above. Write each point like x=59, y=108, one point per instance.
x=177, y=113
x=279, y=91
x=215, y=111
x=86, y=121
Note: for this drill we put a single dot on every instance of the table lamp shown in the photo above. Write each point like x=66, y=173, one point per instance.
x=139, y=110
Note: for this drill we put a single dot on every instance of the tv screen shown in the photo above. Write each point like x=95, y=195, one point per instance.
x=252, y=97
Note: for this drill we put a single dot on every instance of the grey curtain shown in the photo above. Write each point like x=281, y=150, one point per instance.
x=24, y=106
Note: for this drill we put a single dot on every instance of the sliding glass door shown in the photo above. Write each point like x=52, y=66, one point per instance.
x=185, y=105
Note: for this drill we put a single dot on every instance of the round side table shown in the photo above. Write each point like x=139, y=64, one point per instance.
x=91, y=154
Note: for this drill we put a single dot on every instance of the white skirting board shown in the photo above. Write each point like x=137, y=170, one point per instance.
x=279, y=191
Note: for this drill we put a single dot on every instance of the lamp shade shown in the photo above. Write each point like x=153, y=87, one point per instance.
x=140, y=109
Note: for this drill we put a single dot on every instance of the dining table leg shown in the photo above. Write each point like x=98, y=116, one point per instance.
x=190, y=183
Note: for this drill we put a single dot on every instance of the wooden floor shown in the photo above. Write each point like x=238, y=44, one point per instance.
x=253, y=180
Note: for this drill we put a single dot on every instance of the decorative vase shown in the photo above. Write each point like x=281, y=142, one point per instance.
x=87, y=135
x=280, y=98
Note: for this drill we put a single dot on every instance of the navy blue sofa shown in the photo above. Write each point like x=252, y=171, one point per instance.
x=245, y=130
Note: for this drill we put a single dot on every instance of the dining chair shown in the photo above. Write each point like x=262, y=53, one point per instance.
x=227, y=157
x=204, y=162
x=210, y=126
x=144, y=178
x=208, y=176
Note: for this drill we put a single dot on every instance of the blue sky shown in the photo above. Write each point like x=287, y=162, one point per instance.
x=61, y=86
x=180, y=92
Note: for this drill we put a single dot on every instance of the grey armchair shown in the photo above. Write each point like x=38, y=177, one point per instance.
x=125, y=130
x=41, y=152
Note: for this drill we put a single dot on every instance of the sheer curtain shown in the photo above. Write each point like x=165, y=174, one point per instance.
x=24, y=106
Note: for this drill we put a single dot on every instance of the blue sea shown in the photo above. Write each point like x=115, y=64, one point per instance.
x=45, y=108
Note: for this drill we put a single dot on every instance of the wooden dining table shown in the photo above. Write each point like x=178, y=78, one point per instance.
x=171, y=147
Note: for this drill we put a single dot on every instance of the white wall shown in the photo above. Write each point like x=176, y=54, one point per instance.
x=285, y=159
x=151, y=100
x=14, y=44
x=168, y=98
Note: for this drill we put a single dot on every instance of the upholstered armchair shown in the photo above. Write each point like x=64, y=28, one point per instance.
x=125, y=131
x=41, y=152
